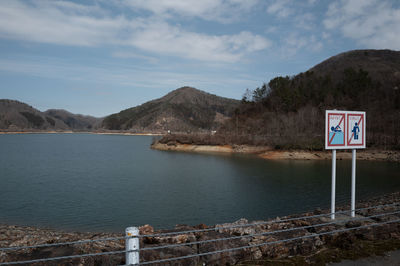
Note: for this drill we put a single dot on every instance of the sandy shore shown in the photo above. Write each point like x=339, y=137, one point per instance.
x=269, y=153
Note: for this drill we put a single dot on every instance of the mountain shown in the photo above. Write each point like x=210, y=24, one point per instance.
x=382, y=65
x=18, y=116
x=289, y=112
x=357, y=79
x=74, y=121
x=184, y=109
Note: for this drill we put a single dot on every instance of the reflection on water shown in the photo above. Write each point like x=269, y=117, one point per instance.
x=108, y=182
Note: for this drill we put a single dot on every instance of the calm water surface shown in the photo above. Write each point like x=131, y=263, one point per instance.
x=86, y=182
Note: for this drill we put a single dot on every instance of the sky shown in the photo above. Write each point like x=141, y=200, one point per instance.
x=102, y=56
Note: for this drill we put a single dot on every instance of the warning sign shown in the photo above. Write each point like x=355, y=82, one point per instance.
x=356, y=129
x=335, y=131
x=344, y=130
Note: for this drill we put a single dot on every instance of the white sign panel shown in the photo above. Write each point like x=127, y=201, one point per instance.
x=356, y=130
x=344, y=130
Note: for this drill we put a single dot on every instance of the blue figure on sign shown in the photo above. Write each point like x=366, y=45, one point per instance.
x=336, y=136
x=356, y=130
x=336, y=129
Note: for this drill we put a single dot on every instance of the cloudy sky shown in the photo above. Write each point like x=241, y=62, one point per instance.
x=99, y=57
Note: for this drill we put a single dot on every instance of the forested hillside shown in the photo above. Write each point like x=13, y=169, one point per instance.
x=182, y=110
x=289, y=112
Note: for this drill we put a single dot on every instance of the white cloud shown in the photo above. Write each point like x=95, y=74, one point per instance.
x=110, y=75
x=293, y=43
x=280, y=8
x=325, y=35
x=66, y=23
x=131, y=55
x=215, y=10
x=271, y=29
x=305, y=21
x=57, y=23
x=160, y=37
x=372, y=23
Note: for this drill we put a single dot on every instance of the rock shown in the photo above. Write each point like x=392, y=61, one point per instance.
x=352, y=224
x=179, y=239
x=256, y=253
x=238, y=231
x=146, y=230
x=318, y=242
x=301, y=223
x=171, y=253
x=317, y=211
x=201, y=226
x=230, y=258
x=275, y=250
x=171, y=143
x=363, y=212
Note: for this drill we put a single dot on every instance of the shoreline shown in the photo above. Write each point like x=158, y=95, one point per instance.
x=311, y=250
x=264, y=152
x=268, y=153
x=79, y=132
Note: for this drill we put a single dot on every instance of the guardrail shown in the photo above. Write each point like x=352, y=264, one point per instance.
x=132, y=251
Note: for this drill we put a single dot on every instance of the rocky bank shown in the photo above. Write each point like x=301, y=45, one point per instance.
x=269, y=153
x=312, y=250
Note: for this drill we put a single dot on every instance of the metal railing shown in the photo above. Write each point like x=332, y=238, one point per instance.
x=132, y=237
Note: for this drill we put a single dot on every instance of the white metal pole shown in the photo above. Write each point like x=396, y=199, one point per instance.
x=333, y=192
x=353, y=183
x=132, y=243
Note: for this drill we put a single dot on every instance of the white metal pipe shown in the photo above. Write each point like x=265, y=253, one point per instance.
x=132, y=243
x=353, y=183
x=333, y=192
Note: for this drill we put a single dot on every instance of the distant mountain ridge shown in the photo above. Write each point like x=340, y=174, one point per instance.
x=74, y=121
x=19, y=116
x=184, y=109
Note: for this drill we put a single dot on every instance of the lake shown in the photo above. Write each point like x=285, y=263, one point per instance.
x=86, y=182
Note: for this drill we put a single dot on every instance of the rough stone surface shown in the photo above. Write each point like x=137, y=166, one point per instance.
x=260, y=237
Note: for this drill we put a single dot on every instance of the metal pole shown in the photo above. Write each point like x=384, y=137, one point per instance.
x=333, y=184
x=132, y=245
x=353, y=183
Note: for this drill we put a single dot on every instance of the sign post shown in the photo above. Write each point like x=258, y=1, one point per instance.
x=344, y=130
x=355, y=140
x=353, y=183
x=334, y=139
x=333, y=187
